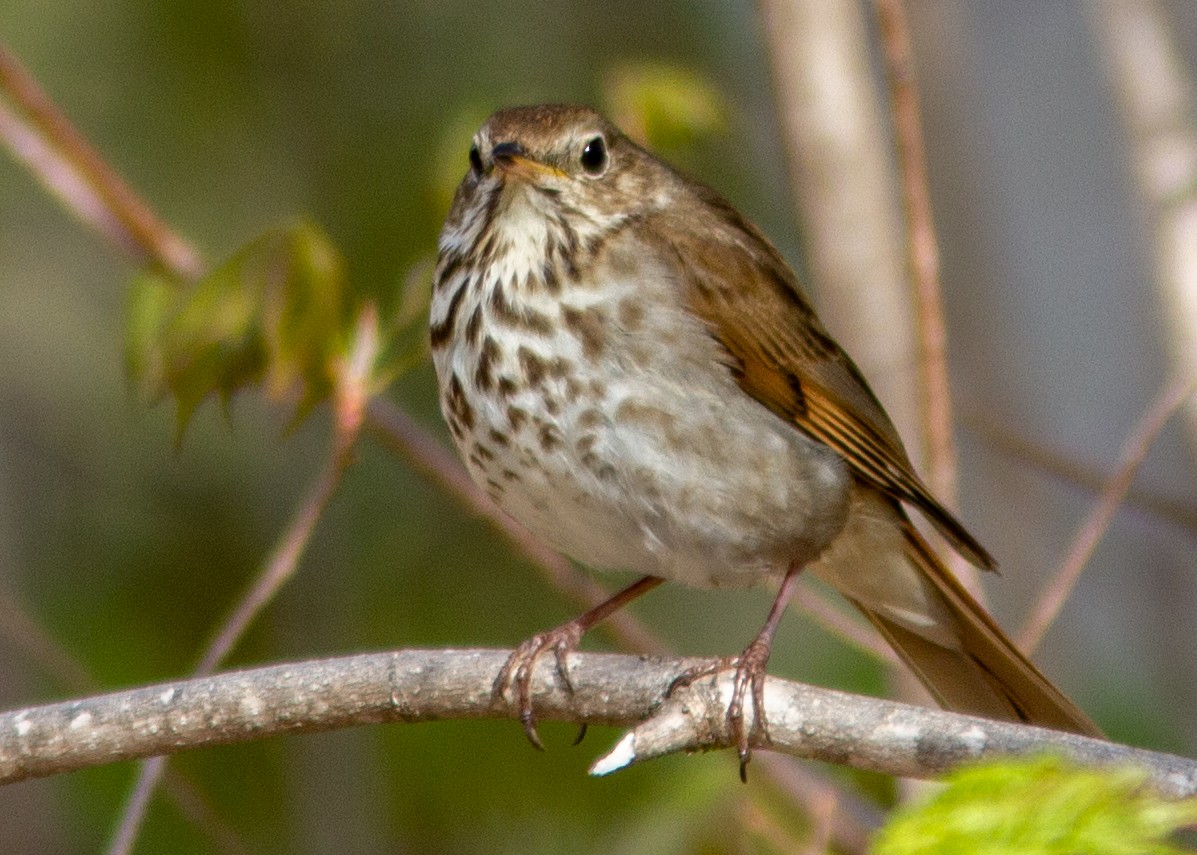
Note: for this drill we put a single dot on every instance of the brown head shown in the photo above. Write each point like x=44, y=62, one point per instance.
x=566, y=161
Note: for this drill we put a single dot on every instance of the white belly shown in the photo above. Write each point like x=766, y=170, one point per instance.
x=643, y=454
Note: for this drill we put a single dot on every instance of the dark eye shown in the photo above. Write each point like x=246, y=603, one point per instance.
x=475, y=159
x=594, y=156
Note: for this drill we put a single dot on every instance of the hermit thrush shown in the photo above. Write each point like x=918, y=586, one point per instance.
x=630, y=369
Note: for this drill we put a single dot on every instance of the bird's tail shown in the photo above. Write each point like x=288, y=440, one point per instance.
x=887, y=570
x=982, y=672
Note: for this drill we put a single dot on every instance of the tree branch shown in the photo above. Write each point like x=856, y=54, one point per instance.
x=613, y=689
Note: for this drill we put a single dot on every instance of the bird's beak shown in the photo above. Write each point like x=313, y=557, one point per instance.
x=511, y=159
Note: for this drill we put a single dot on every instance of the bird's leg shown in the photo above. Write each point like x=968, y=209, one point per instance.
x=517, y=670
x=750, y=671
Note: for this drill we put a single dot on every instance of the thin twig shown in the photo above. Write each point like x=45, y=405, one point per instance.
x=923, y=247
x=841, y=625
x=28, y=635
x=757, y=822
x=349, y=407
x=38, y=133
x=849, y=820
x=1134, y=452
x=612, y=689
x=1176, y=512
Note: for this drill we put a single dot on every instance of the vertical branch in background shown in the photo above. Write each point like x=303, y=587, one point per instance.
x=850, y=207
x=838, y=151
x=846, y=194
x=1157, y=100
x=923, y=248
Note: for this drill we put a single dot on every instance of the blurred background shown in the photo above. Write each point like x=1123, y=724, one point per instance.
x=120, y=550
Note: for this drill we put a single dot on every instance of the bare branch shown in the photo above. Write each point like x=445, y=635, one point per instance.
x=923, y=248
x=38, y=133
x=430, y=685
x=1134, y=452
x=844, y=189
x=1077, y=473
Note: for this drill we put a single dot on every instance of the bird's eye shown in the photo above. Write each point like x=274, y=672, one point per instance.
x=594, y=156
x=475, y=159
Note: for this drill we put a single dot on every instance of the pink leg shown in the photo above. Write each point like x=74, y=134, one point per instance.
x=517, y=671
x=750, y=670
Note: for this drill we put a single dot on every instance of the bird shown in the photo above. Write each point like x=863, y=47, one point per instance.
x=632, y=371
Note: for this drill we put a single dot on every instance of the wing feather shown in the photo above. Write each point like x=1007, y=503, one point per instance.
x=781, y=355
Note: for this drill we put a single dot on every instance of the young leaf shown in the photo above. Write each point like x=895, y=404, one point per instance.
x=1039, y=806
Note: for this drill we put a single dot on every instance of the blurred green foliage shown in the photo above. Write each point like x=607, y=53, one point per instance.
x=1039, y=806
x=273, y=315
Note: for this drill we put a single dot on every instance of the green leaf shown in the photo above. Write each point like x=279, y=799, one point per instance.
x=275, y=313
x=1040, y=806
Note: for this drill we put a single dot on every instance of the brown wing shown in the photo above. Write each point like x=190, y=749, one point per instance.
x=782, y=356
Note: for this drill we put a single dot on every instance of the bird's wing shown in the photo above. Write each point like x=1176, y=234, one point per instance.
x=780, y=354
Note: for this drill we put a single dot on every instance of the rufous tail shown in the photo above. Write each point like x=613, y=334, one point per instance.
x=984, y=674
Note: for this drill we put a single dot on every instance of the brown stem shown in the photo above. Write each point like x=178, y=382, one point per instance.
x=50, y=144
x=1134, y=452
x=923, y=247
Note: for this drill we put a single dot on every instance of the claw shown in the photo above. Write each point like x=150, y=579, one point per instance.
x=516, y=672
x=750, y=672
x=528, y=720
x=561, y=651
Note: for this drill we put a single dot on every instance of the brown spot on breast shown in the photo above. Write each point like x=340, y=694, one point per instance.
x=507, y=387
x=630, y=313
x=484, y=377
x=439, y=333
x=549, y=276
x=590, y=418
x=498, y=438
x=520, y=317
x=549, y=436
x=473, y=327
x=589, y=327
x=516, y=416
x=459, y=407
x=532, y=365
x=446, y=266
x=645, y=415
